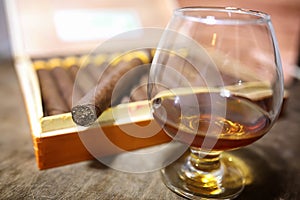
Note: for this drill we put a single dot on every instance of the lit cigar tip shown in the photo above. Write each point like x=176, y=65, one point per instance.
x=85, y=115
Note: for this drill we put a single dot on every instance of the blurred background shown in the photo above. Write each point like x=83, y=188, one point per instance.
x=285, y=15
x=5, y=50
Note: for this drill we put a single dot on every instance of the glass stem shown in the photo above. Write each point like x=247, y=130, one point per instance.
x=203, y=171
x=205, y=161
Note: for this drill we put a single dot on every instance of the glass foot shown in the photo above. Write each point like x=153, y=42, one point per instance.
x=226, y=182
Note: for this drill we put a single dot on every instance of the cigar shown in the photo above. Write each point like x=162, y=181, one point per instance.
x=82, y=79
x=139, y=93
x=52, y=100
x=91, y=106
x=73, y=70
x=64, y=81
x=71, y=64
x=96, y=65
x=127, y=83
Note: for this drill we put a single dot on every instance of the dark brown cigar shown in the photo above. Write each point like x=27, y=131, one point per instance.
x=90, y=107
x=52, y=100
x=139, y=93
x=82, y=80
x=71, y=64
x=64, y=81
x=96, y=65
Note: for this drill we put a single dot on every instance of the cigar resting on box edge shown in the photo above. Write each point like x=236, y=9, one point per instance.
x=98, y=99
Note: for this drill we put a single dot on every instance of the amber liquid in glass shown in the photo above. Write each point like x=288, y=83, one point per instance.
x=230, y=122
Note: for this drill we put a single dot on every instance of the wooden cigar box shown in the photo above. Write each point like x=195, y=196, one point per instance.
x=37, y=31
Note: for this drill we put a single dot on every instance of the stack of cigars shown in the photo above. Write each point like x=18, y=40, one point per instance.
x=87, y=85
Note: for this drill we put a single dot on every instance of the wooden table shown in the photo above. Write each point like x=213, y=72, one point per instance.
x=274, y=160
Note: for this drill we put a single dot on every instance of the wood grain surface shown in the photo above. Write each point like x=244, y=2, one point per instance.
x=274, y=161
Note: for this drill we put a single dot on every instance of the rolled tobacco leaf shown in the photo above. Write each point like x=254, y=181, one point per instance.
x=52, y=99
x=98, y=99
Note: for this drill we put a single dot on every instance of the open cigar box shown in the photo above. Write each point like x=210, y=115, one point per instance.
x=60, y=29
x=59, y=36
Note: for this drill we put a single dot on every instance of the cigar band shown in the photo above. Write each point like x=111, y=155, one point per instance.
x=115, y=60
x=69, y=61
x=39, y=64
x=152, y=52
x=84, y=60
x=137, y=54
x=99, y=59
x=54, y=62
x=143, y=56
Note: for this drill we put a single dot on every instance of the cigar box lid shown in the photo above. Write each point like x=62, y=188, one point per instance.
x=58, y=27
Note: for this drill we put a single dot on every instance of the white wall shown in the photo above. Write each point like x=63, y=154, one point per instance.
x=5, y=50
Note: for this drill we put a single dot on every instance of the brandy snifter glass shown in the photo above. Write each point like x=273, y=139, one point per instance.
x=215, y=84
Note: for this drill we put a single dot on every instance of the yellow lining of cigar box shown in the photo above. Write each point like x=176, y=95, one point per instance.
x=118, y=115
